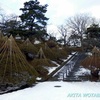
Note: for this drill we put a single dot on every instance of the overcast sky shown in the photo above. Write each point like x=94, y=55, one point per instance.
x=58, y=10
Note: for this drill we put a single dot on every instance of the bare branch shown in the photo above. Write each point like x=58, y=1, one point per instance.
x=62, y=29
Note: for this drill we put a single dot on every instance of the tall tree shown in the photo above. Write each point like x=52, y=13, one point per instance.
x=79, y=24
x=10, y=25
x=33, y=17
x=64, y=33
x=74, y=39
x=93, y=35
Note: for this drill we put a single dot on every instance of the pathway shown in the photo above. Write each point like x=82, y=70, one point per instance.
x=67, y=72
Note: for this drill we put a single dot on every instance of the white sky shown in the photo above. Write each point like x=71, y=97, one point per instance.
x=58, y=10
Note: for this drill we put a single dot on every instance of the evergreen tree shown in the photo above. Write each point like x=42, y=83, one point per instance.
x=10, y=25
x=94, y=31
x=33, y=17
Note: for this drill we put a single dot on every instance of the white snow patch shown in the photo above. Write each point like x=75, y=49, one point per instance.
x=37, y=42
x=89, y=53
x=55, y=63
x=57, y=91
x=38, y=78
x=51, y=69
x=73, y=52
x=83, y=71
x=69, y=56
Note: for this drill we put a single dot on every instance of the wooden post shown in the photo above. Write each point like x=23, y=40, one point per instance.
x=66, y=74
x=99, y=76
x=63, y=76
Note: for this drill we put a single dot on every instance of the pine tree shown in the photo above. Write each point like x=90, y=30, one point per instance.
x=33, y=17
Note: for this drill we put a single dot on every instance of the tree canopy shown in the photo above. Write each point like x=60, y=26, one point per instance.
x=33, y=17
x=94, y=31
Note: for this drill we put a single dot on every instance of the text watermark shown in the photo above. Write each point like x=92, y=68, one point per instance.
x=85, y=95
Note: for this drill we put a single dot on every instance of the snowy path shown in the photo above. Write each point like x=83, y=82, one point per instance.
x=76, y=66
x=70, y=68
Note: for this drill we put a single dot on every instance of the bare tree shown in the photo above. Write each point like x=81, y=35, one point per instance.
x=62, y=29
x=74, y=39
x=52, y=35
x=79, y=24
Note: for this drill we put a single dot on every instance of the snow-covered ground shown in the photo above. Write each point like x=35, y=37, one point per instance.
x=51, y=69
x=82, y=72
x=69, y=56
x=57, y=91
